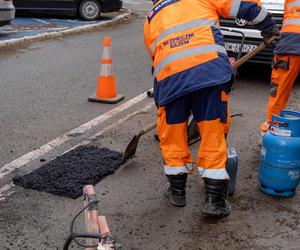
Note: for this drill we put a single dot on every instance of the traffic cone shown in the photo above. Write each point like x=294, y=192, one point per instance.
x=107, y=87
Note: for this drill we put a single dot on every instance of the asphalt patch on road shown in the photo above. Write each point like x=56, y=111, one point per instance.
x=68, y=174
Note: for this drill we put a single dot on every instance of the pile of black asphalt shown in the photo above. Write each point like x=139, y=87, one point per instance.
x=68, y=174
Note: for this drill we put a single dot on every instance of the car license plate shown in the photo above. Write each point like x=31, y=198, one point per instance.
x=235, y=47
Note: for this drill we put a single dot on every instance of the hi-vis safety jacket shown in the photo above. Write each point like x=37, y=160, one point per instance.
x=290, y=31
x=186, y=45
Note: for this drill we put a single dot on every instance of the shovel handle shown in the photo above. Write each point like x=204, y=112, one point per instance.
x=148, y=128
x=249, y=55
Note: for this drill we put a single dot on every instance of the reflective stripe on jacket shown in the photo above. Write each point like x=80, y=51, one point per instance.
x=186, y=45
x=290, y=41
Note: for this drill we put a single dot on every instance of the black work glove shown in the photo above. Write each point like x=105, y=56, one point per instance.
x=274, y=34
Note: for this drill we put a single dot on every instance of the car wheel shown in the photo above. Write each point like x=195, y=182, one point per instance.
x=90, y=10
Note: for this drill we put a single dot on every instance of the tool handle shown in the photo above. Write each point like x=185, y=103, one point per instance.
x=248, y=56
x=148, y=128
x=252, y=53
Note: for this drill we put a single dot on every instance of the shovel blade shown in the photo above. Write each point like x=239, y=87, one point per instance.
x=131, y=148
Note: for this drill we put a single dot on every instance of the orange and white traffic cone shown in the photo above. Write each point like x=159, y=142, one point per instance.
x=107, y=87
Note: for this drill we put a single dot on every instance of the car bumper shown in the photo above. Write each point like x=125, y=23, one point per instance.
x=111, y=5
x=7, y=15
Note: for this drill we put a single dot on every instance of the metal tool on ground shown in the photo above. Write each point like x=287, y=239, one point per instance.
x=132, y=146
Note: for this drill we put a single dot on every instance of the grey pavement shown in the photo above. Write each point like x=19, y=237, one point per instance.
x=45, y=86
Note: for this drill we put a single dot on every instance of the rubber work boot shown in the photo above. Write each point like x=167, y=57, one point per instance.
x=176, y=189
x=216, y=203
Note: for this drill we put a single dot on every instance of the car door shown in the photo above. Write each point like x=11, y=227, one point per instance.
x=30, y=4
x=60, y=4
x=45, y=4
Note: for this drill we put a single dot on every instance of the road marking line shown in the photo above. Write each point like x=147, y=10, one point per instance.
x=79, y=21
x=120, y=121
x=145, y=109
x=4, y=191
x=9, y=167
x=48, y=29
x=40, y=20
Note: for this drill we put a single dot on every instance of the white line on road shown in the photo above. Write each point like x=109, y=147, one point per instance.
x=9, y=167
x=147, y=107
x=40, y=20
x=120, y=121
x=48, y=29
x=5, y=190
x=75, y=21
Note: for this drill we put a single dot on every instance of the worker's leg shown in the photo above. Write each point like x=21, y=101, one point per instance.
x=284, y=73
x=172, y=132
x=210, y=109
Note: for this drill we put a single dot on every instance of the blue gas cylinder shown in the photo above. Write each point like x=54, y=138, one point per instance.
x=279, y=168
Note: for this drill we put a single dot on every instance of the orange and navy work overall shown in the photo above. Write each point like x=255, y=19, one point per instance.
x=286, y=62
x=191, y=73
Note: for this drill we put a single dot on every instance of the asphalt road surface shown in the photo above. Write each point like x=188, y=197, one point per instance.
x=44, y=91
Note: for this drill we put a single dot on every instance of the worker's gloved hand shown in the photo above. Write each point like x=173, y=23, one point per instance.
x=273, y=35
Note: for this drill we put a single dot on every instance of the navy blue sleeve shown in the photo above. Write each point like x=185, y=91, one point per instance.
x=268, y=24
x=251, y=12
x=248, y=11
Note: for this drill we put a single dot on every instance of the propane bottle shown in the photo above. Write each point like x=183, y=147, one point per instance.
x=279, y=168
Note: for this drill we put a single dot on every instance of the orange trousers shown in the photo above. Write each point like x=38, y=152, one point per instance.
x=286, y=68
x=210, y=111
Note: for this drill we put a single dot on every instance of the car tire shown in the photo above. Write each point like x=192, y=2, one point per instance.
x=90, y=10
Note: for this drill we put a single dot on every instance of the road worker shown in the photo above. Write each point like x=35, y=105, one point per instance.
x=286, y=62
x=192, y=73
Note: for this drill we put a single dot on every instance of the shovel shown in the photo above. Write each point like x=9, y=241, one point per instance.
x=132, y=146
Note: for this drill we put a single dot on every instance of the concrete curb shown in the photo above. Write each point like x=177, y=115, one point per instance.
x=71, y=31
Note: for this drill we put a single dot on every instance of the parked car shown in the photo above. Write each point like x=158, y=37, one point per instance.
x=252, y=35
x=7, y=11
x=86, y=9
